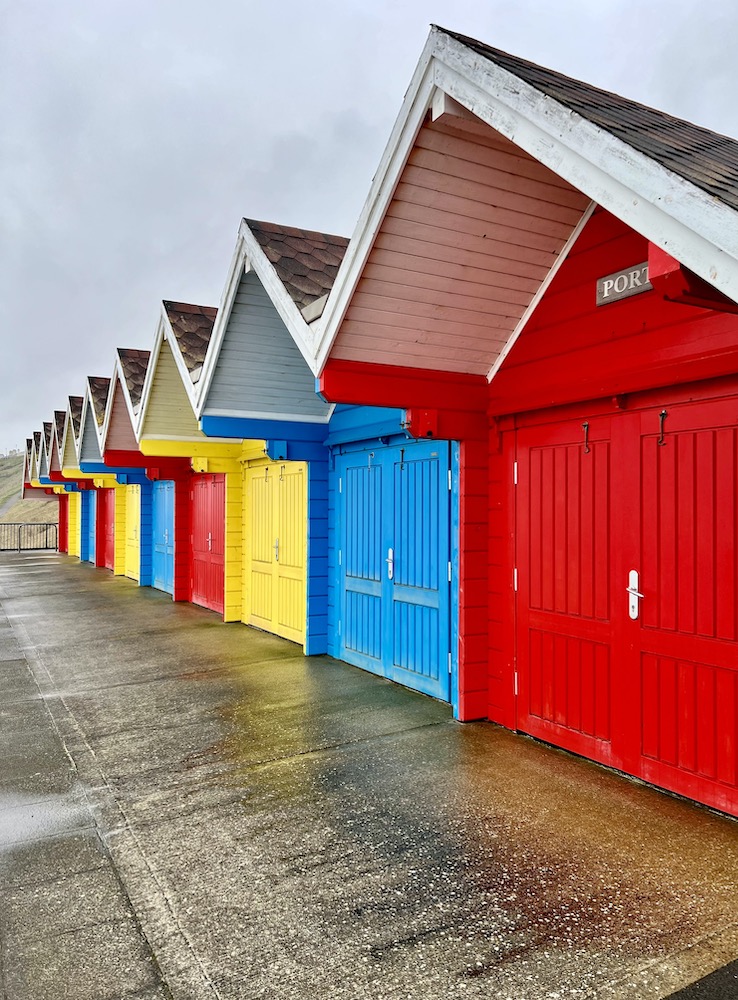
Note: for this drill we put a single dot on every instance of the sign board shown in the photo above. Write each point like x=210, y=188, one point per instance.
x=622, y=284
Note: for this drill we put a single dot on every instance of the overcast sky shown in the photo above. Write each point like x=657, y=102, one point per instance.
x=135, y=134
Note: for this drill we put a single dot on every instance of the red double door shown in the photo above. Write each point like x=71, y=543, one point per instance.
x=627, y=600
x=208, y=541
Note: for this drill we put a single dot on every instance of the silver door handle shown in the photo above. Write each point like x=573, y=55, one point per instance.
x=634, y=595
x=210, y=541
x=166, y=535
x=276, y=550
x=390, y=560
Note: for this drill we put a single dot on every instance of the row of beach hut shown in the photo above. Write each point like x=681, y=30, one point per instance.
x=487, y=448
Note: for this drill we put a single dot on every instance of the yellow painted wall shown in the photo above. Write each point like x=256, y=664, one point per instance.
x=119, y=560
x=75, y=525
x=232, y=609
x=133, y=530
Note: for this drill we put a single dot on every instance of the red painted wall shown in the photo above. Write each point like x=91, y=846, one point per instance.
x=573, y=350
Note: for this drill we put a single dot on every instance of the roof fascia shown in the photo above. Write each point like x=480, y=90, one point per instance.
x=415, y=104
x=150, y=372
x=118, y=378
x=668, y=210
x=239, y=264
x=665, y=208
x=300, y=330
x=179, y=361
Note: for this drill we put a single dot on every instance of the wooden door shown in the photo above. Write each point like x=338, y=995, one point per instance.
x=208, y=541
x=394, y=563
x=105, y=529
x=645, y=681
x=133, y=530
x=685, y=639
x=275, y=527
x=163, y=531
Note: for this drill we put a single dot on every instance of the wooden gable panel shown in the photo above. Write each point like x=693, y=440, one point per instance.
x=121, y=436
x=169, y=413
x=89, y=445
x=472, y=231
x=69, y=458
x=260, y=369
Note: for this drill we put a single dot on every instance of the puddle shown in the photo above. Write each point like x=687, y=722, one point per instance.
x=26, y=817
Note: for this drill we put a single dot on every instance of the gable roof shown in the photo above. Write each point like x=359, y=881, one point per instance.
x=704, y=158
x=296, y=268
x=509, y=149
x=126, y=385
x=192, y=326
x=306, y=261
x=278, y=281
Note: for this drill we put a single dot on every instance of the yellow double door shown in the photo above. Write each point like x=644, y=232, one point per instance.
x=275, y=536
x=132, y=566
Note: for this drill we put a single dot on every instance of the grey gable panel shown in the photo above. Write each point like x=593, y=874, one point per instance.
x=90, y=448
x=260, y=369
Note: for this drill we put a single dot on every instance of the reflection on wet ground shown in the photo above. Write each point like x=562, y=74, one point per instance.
x=26, y=817
x=291, y=827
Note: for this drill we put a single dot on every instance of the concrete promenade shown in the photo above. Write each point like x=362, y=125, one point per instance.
x=194, y=811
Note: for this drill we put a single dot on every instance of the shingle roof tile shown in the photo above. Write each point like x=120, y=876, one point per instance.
x=305, y=261
x=704, y=158
x=134, y=365
x=75, y=411
x=192, y=326
x=99, y=388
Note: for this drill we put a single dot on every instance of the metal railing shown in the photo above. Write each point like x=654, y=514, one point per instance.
x=19, y=537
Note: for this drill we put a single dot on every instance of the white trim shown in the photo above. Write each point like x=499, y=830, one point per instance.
x=117, y=379
x=296, y=418
x=239, y=266
x=149, y=380
x=523, y=321
x=688, y=223
x=409, y=121
x=184, y=372
x=301, y=332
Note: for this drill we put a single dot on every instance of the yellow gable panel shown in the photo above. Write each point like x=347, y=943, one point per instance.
x=169, y=412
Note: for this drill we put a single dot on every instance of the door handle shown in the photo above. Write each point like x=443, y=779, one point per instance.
x=276, y=550
x=634, y=595
x=390, y=560
x=210, y=541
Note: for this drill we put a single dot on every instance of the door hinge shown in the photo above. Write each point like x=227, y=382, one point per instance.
x=515, y=683
x=449, y=662
x=515, y=473
x=449, y=571
x=515, y=579
x=449, y=480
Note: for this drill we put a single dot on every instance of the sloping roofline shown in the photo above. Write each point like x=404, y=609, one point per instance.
x=526, y=104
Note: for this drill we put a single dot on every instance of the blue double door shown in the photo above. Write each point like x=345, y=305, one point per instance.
x=89, y=521
x=163, y=536
x=394, y=563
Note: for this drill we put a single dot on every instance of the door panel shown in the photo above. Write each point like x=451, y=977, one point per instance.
x=275, y=525
x=105, y=521
x=91, y=501
x=208, y=541
x=394, y=518
x=652, y=493
x=163, y=529
x=687, y=633
x=564, y=571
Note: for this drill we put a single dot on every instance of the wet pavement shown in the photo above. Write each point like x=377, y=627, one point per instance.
x=195, y=810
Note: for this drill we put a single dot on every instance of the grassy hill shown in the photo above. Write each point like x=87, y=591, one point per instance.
x=10, y=477
x=24, y=511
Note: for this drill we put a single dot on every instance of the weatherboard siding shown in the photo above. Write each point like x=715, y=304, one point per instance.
x=120, y=432
x=471, y=232
x=169, y=412
x=74, y=524
x=89, y=448
x=259, y=367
